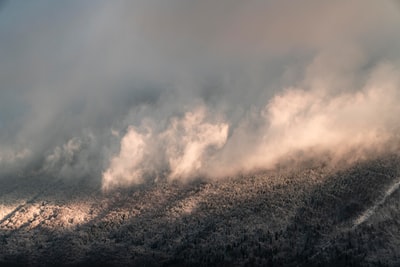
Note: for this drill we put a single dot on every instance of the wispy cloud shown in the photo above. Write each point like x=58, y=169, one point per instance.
x=180, y=89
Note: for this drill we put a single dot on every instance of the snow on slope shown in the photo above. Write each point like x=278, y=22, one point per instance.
x=286, y=217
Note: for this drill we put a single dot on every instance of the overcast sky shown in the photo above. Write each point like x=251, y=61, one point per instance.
x=123, y=90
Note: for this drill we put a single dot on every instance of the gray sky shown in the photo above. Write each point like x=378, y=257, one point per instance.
x=78, y=76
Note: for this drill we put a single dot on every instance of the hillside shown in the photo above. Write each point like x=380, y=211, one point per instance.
x=289, y=217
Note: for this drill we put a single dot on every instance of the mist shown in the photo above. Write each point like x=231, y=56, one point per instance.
x=134, y=91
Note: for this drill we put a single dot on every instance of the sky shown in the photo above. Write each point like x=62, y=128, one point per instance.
x=124, y=92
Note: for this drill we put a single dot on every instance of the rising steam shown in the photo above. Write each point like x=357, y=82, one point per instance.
x=133, y=91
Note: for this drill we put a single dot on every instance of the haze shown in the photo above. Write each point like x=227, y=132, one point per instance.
x=125, y=92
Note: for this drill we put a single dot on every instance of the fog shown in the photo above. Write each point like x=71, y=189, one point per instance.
x=133, y=91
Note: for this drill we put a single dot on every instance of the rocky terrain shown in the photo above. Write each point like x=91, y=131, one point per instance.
x=318, y=215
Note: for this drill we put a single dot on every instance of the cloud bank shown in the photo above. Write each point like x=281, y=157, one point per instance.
x=127, y=92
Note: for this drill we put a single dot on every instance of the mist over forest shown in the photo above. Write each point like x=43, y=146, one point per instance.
x=129, y=90
x=117, y=98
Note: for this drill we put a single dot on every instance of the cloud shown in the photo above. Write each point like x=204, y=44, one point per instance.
x=345, y=125
x=183, y=151
x=296, y=125
x=137, y=90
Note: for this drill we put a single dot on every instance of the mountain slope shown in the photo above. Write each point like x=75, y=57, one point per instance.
x=290, y=217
